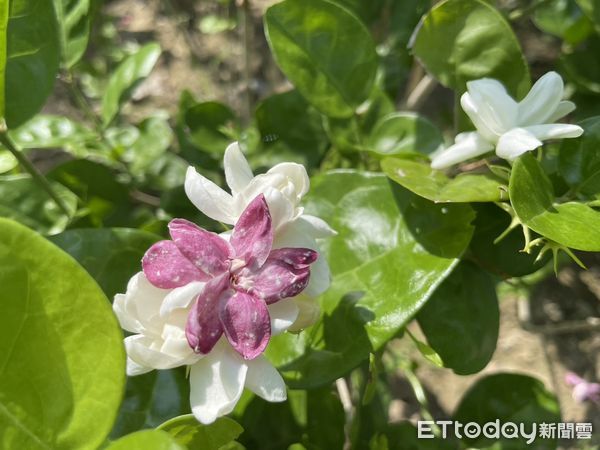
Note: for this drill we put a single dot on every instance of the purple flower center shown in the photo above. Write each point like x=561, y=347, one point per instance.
x=242, y=277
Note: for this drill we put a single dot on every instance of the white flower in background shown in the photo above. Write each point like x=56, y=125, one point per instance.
x=283, y=186
x=511, y=127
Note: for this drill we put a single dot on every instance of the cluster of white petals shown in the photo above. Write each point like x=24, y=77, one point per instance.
x=157, y=317
x=510, y=127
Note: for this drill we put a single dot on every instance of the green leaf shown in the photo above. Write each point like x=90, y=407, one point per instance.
x=61, y=350
x=153, y=140
x=572, y=224
x=509, y=398
x=435, y=185
x=404, y=132
x=461, y=319
x=462, y=40
x=205, y=124
x=579, y=159
x=312, y=418
x=582, y=67
x=4, y=12
x=404, y=436
x=325, y=51
x=111, y=256
x=305, y=142
x=427, y=351
x=188, y=432
x=146, y=440
x=564, y=19
x=32, y=54
x=74, y=20
x=133, y=69
x=22, y=199
x=592, y=9
x=48, y=131
x=7, y=161
x=151, y=399
x=504, y=258
x=391, y=252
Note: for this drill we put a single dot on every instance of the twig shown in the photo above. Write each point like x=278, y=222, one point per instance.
x=419, y=94
x=30, y=168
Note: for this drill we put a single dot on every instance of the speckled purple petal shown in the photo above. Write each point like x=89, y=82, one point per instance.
x=207, y=251
x=246, y=323
x=252, y=236
x=166, y=268
x=285, y=274
x=203, y=328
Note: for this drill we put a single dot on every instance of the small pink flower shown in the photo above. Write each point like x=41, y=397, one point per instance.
x=243, y=276
x=583, y=390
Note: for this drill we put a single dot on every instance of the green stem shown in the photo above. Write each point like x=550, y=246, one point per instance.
x=29, y=167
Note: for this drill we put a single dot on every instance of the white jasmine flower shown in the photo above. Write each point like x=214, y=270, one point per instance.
x=511, y=128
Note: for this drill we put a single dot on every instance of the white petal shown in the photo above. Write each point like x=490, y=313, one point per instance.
x=555, y=131
x=515, y=143
x=264, y=380
x=283, y=314
x=216, y=384
x=563, y=108
x=542, y=100
x=492, y=104
x=128, y=322
x=282, y=211
x=208, y=197
x=309, y=313
x=313, y=226
x=181, y=297
x=237, y=171
x=296, y=173
x=141, y=302
x=467, y=146
x=139, y=350
x=134, y=368
x=320, y=277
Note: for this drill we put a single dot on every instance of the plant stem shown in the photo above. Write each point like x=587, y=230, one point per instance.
x=31, y=169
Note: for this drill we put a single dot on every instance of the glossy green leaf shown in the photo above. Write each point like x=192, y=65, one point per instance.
x=151, y=399
x=33, y=53
x=461, y=319
x=205, y=125
x=366, y=11
x=406, y=132
x=582, y=67
x=390, y=254
x=504, y=258
x=22, y=199
x=146, y=440
x=7, y=161
x=573, y=224
x=153, y=140
x=592, y=9
x=427, y=351
x=4, y=12
x=462, y=40
x=188, y=432
x=110, y=255
x=312, y=418
x=325, y=51
x=509, y=398
x=133, y=69
x=61, y=350
x=305, y=142
x=562, y=18
x=436, y=186
x=74, y=20
x=48, y=131
x=579, y=159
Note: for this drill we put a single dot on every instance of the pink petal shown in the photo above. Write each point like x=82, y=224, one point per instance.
x=203, y=328
x=252, y=236
x=166, y=268
x=207, y=251
x=285, y=274
x=247, y=324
